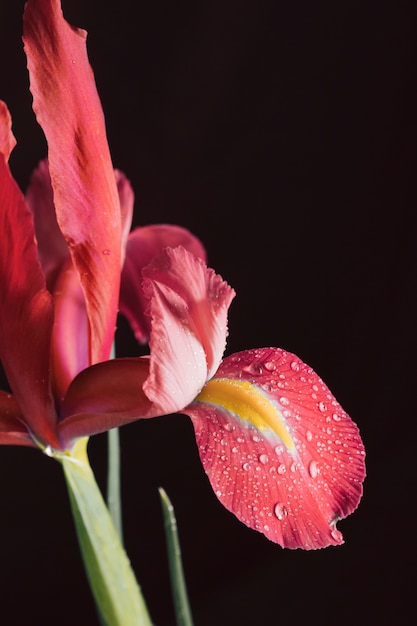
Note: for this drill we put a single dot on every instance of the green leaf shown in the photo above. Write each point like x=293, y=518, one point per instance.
x=112, y=581
x=178, y=586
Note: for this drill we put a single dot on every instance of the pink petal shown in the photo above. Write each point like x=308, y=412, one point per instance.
x=52, y=248
x=67, y=107
x=69, y=350
x=7, y=140
x=26, y=313
x=188, y=309
x=127, y=200
x=12, y=428
x=104, y=396
x=143, y=245
x=292, y=490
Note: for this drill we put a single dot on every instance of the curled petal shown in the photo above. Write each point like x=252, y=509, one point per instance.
x=87, y=205
x=26, y=313
x=144, y=244
x=12, y=428
x=279, y=450
x=104, y=396
x=52, y=247
x=7, y=139
x=188, y=309
x=69, y=350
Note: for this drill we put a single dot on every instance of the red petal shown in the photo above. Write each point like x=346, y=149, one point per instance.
x=7, y=140
x=69, y=352
x=26, y=313
x=188, y=308
x=143, y=245
x=52, y=247
x=104, y=396
x=127, y=200
x=12, y=428
x=67, y=107
x=293, y=495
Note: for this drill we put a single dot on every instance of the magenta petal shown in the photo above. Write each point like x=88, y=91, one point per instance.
x=144, y=244
x=87, y=205
x=294, y=495
x=127, y=201
x=69, y=352
x=12, y=428
x=52, y=247
x=104, y=396
x=26, y=313
x=188, y=308
x=7, y=140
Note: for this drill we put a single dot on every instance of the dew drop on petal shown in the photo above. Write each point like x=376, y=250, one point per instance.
x=282, y=469
x=253, y=368
x=270, y=366
x=322, y=406
x=309, y=435
x=284, y=401
x=246, y=467
x=295, y=366
x=313, y=469
x=281, y=512
x=337, y=535
x=106, y=252
x=264, y=459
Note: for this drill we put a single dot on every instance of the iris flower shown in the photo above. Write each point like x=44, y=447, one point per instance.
x=278, y=449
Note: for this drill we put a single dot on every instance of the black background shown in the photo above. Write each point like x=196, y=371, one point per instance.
x=285, y=136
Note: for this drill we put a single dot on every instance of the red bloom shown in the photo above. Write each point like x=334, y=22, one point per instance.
x=280, y=452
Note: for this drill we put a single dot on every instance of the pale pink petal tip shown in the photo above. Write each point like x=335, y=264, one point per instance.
x=293, y=495
x=188, y=308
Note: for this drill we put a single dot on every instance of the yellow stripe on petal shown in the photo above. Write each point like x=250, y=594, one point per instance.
x=248, y=403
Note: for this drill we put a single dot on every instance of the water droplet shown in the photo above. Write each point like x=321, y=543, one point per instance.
x=284, y=401
x=266, y=527
x=279, y=450
x=282, y=469
x=295, y=366
x=270, y=366
x=264, y=459
x=234, y=449
x=322, y=406
x=253, y=368
x=256, y=439
x=313, y=469
x=280, y=511
x=337, y=535
x=336, y=417
x=294, y=466
x=106, y=252
x=246, y=467
x=309, y=435
x=229, y=427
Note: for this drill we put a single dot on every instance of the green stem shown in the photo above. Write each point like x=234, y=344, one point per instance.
x=179, y=589
x=113, y=480
x=112, y=581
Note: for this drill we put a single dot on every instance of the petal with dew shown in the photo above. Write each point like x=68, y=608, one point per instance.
x=279, y=450
x=68, y=109
x=144, y=244
x=52, y=248
x=188, y=308
x=12, y=428
x=26, y=313
x=7, y=139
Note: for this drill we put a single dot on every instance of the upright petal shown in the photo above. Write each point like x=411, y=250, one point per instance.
x=67, y=107
x=188, y=305
x=279, y=450
x=7, y=139
x=144, y=244
x=26, y=313
x=52, y=248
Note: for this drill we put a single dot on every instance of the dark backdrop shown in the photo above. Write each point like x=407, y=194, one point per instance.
x=284, y=135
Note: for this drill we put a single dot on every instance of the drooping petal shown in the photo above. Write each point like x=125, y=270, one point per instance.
x=69, y=350
x=12, y=427
x=87, y=206
x=104, y=396
x=7, y=139
x=188, y=308
x=52, y=248
x=144, y=244
x=26, y=313
x=279, y=450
